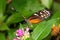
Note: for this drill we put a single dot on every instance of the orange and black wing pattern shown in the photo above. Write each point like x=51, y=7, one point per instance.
x=39, y=16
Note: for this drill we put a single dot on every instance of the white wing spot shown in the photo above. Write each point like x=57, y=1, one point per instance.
x=42, y=16
x=36, y=14
x=40, y=13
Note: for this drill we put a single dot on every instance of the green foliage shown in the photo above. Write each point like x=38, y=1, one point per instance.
x=56, y=6
x=2, y=36
x=43, y=29
x=2, y=6
x=12, y=19
x=21, y=26
x=11, y=34
x=24, y=8
x=47, y=3
x=3, y=27
x=2, y=10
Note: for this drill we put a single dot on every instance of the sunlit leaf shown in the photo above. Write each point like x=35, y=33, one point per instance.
x=47, y=3
x=43, y=29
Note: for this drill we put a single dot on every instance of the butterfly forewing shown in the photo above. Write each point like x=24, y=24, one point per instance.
x=39, y=16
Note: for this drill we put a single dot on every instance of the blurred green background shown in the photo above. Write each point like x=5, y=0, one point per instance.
x=11, y=16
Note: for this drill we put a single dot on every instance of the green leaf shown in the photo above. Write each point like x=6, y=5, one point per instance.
x=24, y=8
x=48, y=37
x=2, y=18
x=56, y=14
x=11, y=34
x=56, y=11
x=14, y=18
x=20, y=26
x=2, y=6
x=43, y=29
x=33, y=5
x=2, y=10
x=2, y=36
x=47, y=3
x=56, y=6
x=3, y=27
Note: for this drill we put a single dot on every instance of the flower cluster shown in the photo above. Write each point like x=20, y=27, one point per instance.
x=21, y=34
x=55, y=30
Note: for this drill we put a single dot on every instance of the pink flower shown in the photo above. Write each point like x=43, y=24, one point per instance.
x=27, y=29
x=19, y=32
x=15, y=39
x=22, y=34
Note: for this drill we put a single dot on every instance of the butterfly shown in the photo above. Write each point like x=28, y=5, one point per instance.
x=39, y=16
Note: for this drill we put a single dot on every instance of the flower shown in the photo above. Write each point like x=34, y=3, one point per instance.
x=19, y=32
x=27, y=29
x=15, y=39
x=55, y=30
x=22, y=34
